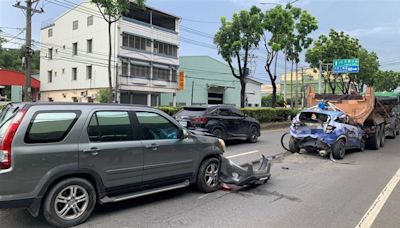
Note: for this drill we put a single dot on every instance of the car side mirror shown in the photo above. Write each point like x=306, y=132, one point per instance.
x=185, y=133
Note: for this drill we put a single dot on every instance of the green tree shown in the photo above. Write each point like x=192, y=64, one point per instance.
x=278, y=24
x=103, y=95
x=386, y=80
x=266, y=101
x=305, y=24
x=337, y=45
x=235, y=39
x=112, y=11
x=369, y=67
x=2, y=40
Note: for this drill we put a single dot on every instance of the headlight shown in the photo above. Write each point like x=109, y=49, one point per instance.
x=221, y=145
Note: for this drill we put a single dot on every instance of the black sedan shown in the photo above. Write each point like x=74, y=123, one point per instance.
x=222, y=121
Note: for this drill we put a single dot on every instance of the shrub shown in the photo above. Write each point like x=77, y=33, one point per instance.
x=265, y=115
x=169, y=109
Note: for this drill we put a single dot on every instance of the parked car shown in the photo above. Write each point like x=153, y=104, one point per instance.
x=222, y=121
x=62, y=158
x=327, y=132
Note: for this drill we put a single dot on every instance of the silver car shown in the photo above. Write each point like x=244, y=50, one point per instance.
x=63, y=158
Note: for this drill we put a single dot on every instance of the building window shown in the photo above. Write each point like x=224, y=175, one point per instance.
x=50, y=76
x=50, y=32
x=136, y=42
x=55, y=73
x=160, y=74
x=74, y=48
x=75, y=25
x=74, y=73
x=139, y=71
x=50, y=53
x=165, y=49
x=89, y=72
x=89, y=45
x=89, y=20
x=125, y=66
x=63, y=70
x=174, y=75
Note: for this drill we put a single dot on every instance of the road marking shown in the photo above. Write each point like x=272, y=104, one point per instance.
x=203, y=196
x=242, y=154
x=380, y=201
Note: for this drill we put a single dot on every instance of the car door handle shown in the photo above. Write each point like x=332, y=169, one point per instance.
x=152, y=146
x=93, y=151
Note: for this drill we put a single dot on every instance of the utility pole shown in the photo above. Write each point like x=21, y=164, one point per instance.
x=28, y=45
x=303, y=89
x=191, y=100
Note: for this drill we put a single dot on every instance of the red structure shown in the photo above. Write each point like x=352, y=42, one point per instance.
x=16, y=78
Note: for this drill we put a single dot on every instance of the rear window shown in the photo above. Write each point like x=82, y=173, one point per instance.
x=5, y=119
x=48, y=127
x=190, y=111
x=313, y=117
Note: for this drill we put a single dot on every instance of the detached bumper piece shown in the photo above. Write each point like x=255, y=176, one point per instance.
x=245, y=175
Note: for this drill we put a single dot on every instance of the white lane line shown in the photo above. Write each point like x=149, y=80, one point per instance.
x=242, y=154
x=380, y=201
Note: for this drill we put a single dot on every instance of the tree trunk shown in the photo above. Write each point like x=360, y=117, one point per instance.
x=291, y=85
x=274, y=84
x=243, y=92
x=110, y=90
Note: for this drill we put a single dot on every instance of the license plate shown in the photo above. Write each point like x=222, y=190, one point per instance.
x=183, y=123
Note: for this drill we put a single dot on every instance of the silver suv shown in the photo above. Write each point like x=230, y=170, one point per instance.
x=63, y=158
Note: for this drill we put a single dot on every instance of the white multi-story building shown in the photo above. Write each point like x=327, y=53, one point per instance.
x=74, y=55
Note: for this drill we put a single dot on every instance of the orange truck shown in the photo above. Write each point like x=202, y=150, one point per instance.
x=376, y=114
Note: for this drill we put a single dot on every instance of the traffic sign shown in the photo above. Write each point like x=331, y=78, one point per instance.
x=346, y=66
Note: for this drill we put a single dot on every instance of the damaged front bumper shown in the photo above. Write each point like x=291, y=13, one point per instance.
x=245, y=175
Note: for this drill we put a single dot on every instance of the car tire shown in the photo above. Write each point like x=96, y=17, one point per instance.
x=383, y=137
x=62, y=202
x=218, y=132
x=293, y=145
x=208, y=176
x=253, y=137
x=339, y=149
x=362, y=144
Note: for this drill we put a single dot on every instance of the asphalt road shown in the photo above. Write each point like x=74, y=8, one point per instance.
x=305, y=191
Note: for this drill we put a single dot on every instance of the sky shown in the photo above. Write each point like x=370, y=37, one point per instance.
x=376, y=23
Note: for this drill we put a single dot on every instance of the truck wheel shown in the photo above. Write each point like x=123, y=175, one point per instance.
x=69, y=203
x=339, y=149
x=293, y=145
x=382, y=143
x=374, y=140
x=208, y=176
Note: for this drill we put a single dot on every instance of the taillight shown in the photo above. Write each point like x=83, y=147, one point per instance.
x=200, y=120
x=5, y=145
x=329, y=129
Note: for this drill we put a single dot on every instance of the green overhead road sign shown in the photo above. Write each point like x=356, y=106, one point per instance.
x=346, y=66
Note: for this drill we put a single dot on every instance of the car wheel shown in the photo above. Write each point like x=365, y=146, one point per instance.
x=293, y=145
x=382, y=139
x=218, y=132
x=362, y=144
x=253, y=137
x=69, y=203
x=339, y=149
x=208, y=175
